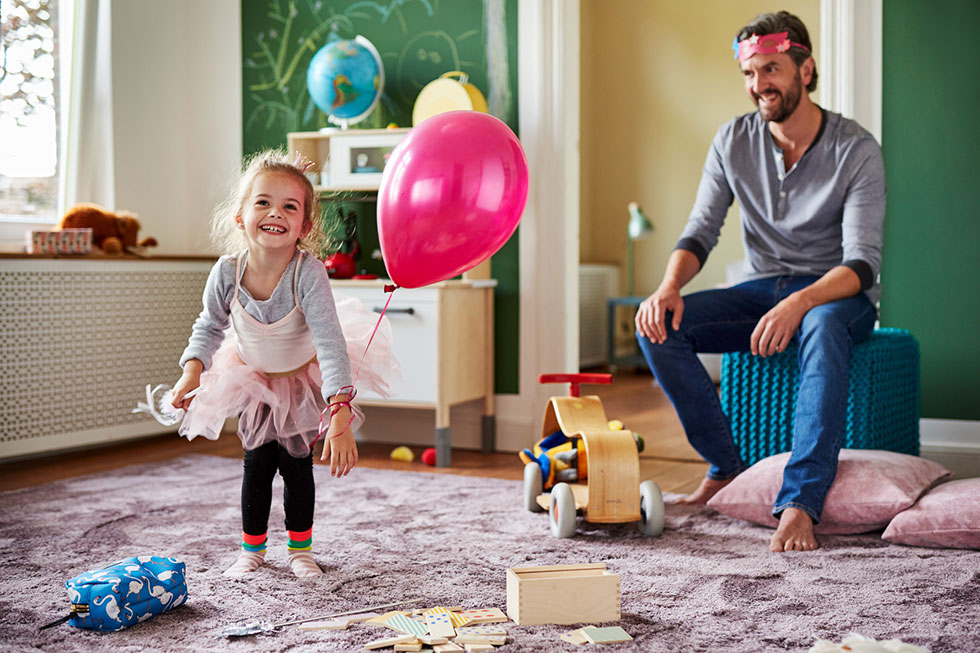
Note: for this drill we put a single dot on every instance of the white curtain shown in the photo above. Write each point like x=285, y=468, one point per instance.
x=88, y=172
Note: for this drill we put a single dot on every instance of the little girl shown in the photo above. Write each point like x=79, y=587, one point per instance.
x=283, y=362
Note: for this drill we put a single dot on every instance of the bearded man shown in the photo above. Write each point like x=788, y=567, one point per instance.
x=811, y=189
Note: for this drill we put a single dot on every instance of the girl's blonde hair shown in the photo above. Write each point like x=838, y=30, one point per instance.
x=226, y=235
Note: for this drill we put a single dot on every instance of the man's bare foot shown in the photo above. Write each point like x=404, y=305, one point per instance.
x=708, y=488
x=794, y=533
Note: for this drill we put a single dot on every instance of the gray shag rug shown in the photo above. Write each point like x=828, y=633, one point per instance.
x=708, y=584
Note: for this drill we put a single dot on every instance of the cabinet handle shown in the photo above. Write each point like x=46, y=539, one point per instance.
x=406, y=311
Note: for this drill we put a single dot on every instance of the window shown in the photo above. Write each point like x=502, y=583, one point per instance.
x=30, y=103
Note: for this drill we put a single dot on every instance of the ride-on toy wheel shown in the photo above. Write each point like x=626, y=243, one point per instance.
x=562, y=513
x=651, y=521
x=533, y=484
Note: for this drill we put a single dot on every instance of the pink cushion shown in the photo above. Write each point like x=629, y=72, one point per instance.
x=948, y=516
x=871, y=487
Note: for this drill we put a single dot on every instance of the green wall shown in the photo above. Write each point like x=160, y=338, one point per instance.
x=931, y=140
x=418, y=40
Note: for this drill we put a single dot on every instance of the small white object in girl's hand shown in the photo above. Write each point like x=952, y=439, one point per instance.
x=159, y=404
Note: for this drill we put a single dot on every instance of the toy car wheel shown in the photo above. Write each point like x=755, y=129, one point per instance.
x=533, y=484
x=651, y=509
x=562, y=513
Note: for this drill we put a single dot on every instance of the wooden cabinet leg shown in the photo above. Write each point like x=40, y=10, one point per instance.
x=489, y=433
x=443, y=447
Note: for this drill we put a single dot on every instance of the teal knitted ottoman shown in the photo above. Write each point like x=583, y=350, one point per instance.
x=759, y=397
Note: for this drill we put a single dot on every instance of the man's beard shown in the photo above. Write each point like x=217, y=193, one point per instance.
x=787, y=103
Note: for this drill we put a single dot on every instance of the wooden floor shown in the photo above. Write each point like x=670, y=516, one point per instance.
x=632, y=398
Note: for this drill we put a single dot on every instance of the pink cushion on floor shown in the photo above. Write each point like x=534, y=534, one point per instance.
x=948, y=516
x=871, y=487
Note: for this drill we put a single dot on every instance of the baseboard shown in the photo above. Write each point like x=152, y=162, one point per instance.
x=948, y=434
x=953, y=443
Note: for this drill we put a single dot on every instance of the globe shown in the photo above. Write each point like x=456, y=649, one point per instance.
x=345, y=79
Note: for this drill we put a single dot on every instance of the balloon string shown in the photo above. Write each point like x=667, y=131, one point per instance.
x=390, y=291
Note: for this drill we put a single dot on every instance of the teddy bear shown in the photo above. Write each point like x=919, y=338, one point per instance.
x=114, y=233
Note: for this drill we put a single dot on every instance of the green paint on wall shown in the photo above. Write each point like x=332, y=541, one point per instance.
x=931, y=270
x=418, y=40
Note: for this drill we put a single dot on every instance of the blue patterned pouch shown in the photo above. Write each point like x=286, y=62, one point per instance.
x=126, y=593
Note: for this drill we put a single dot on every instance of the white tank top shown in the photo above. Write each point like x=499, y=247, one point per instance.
x=282, y=346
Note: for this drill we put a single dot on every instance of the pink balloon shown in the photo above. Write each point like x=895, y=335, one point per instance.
x=451, y=194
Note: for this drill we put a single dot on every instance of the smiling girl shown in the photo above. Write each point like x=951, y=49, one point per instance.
x=284, y=362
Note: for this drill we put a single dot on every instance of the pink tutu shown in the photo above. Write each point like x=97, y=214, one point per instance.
x=286, y=409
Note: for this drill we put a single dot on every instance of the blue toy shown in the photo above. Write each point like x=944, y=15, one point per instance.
x=126, y=593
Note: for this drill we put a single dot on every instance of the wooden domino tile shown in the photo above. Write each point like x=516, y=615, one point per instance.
x=484, y=615
x=390, y=641
x=482, y=629
x=440, y=624
x=607, y=635
x=448, y=647
x=405, y=624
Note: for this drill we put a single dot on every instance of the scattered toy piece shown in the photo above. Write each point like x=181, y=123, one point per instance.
x=448, y=647
x=482, y=629
x=607, y=635
x=494, y=640
x=432, y=640
x=409, y=646
x=402, y=454
x=390, y=641
x=382, y=619
x=405, y=624
x=575, y=637
x=855, y=642
x=478, y=648
x=484, y=616
x=440, y=624
x=429, y=457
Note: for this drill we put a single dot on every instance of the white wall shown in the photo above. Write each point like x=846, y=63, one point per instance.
x=177, y=89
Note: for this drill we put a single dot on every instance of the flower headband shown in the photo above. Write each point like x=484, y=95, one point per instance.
x=764, y=44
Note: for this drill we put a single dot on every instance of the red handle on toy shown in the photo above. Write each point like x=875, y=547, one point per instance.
x=574, y=380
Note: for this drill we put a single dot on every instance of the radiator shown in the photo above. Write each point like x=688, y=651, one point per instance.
x=81, y=338
x=596, y=284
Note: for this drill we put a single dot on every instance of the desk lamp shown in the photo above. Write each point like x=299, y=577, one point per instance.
x=638, y=227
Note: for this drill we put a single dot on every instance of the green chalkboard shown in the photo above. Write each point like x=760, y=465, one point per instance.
x=418, y=40
x=930, y=140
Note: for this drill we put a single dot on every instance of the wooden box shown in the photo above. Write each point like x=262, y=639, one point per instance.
x=564, y=594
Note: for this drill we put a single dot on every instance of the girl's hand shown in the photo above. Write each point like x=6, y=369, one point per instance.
x=343, y=453
x=340, y=441
x=190, y=379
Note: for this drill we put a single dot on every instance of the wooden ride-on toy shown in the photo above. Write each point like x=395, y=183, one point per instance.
x=611, y=465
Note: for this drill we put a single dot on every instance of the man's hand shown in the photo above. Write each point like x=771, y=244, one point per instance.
x=651, y=316
x=777, y=327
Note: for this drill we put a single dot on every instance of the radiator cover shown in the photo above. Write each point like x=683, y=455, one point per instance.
x=81, y=338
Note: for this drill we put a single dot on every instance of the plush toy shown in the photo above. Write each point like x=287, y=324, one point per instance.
x=114, y=233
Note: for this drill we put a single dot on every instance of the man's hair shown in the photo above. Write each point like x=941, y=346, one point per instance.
x=784, y=21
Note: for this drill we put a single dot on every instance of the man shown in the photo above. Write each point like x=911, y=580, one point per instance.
x=811, y=188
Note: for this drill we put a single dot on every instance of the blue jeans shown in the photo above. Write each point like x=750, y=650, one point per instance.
x=722, y=320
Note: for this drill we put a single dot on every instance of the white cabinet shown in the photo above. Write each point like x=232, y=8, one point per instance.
x=442, y=337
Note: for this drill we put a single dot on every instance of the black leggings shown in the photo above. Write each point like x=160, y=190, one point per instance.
x=299, y=493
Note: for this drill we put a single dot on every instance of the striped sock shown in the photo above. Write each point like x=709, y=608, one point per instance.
x=251, y=556
x=300, y=555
